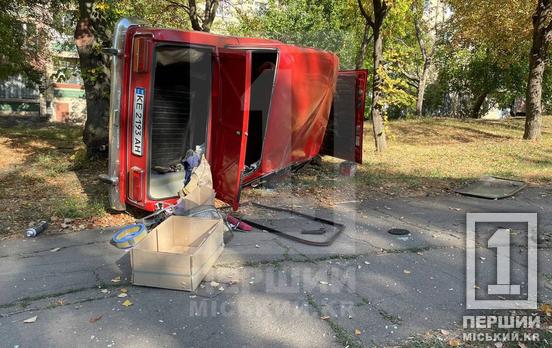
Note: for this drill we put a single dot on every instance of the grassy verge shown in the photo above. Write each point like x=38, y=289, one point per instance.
x=44, y=175
x=439, y=154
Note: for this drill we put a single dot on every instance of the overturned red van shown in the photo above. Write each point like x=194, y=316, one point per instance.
x=255, y=106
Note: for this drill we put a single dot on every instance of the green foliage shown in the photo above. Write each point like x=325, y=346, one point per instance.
x=329, y=25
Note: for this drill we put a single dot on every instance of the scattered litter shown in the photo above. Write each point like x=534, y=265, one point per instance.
x=129, y=236
x=36, y=230
x=193, y=296
x=482, y=258
x=238, y=224
x=123, y=290
x=357, y=332
x=116, y=279
x=95, y=319
x=257, y=246
x=221, y=288
x=324, y=283
x=444, y=332
x=347, y=169
x=366, y=262
x=55, y=249
x=127, y=303
x=325, y=317
x=214, y=284
x=30, y=320
x=161, y=321
x=122, y=295
x=104, y=291
x=252, y=282
x=406, y=271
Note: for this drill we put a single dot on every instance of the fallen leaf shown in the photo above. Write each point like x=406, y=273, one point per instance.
x=357, y=332
x=123, y=290
x=325, y=317
x=546, y=309
x=95, y=319
x=122, y=295
x=30, y=320
x=406, y=271
x=55, y=249
x=127, y=303
x=454, y=342
x=116, y=280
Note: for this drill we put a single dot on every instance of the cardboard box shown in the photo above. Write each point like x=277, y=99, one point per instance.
x=178, y=253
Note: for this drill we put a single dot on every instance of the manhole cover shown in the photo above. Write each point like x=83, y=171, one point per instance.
x=398, y=232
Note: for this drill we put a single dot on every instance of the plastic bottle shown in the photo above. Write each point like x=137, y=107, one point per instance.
x=37, y=229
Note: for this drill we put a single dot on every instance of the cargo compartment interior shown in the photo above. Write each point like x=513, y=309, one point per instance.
x=263, y=69
x=179, y=113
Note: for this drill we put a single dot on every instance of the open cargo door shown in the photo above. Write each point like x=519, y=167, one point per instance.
x=343, y=138
x=231, y=129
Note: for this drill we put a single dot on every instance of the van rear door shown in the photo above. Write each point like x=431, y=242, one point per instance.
x=230, y=129
x=343, y=138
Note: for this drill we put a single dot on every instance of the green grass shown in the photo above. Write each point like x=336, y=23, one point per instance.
x=426, y=154
x=78, y=208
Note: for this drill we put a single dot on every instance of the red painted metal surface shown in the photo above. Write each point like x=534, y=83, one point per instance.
x=230, y=134
x=301, y=101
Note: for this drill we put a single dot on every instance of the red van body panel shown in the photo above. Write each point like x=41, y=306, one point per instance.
x=300, y=105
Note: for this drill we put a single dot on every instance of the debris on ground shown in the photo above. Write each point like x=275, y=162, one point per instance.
x=95, y=319
x=40, y=227
x=491, y=187
x=127, y=303
x=30, y=320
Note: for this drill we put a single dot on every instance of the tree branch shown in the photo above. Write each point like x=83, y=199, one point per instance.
x=365, y=14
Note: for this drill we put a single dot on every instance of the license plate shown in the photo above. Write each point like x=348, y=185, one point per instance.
x=138, y=122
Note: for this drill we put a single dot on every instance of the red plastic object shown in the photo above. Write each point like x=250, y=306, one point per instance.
x=236, y=223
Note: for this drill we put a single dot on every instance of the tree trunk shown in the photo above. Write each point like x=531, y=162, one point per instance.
x=537, y=65
x=95, y=73
x=377, y=111
x=422, y=84
x=361, y=57
x=476, y=109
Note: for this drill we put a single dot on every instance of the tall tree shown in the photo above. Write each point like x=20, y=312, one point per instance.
x=92, y=33
x=538, y=58
x=375, y=19
x=525, y=26
x=200, y=20
x=427, y=17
